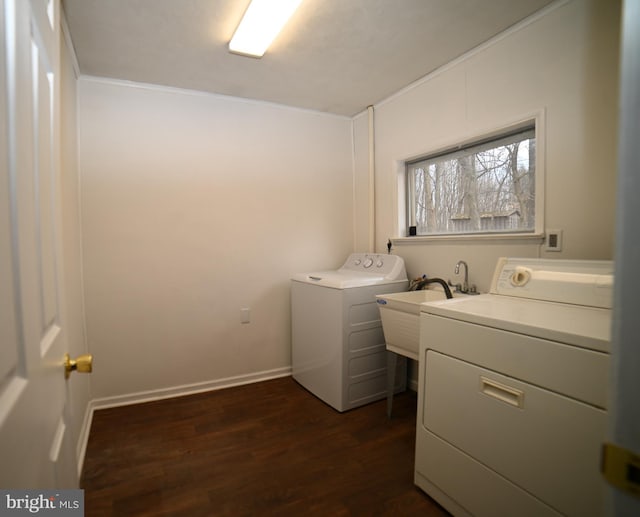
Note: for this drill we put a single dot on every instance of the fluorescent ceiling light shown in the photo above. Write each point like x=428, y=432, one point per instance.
x=261, y=23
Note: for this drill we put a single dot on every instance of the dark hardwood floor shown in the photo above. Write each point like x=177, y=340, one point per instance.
x=269, y=448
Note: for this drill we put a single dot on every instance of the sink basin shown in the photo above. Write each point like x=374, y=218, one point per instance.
x=409, y=301
x=400, y=315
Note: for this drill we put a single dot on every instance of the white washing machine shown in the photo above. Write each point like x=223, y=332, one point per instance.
x=338, y=347
x=512, y=393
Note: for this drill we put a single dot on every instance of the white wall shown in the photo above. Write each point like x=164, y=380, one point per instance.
x=564, y=63
x=195, y=206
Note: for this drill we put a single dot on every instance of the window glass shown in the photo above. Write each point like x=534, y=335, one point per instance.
x=485, y=187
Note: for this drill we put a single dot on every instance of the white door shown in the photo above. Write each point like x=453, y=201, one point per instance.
x=35, y=447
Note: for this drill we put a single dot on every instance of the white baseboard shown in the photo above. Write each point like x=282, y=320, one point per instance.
x=166, y=393
x=188, y=389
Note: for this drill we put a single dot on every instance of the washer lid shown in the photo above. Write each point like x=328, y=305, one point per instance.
x=586, y=327
x=342, y=279
x=360, y=269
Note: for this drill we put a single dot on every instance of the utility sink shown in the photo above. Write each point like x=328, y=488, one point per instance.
x=400, y=315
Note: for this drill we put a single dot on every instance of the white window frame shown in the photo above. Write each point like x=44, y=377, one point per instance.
x=536, y=119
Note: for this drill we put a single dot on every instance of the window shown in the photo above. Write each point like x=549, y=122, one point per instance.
x=488, y=186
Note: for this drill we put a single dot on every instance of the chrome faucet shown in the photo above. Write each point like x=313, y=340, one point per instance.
x=465, y=284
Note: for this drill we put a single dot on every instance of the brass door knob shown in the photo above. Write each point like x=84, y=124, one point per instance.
x=82, y=363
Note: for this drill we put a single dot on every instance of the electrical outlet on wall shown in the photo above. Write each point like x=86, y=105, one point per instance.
x=245, y=315
x=553, y=241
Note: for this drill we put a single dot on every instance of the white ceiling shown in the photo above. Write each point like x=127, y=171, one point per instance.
x=336, y=56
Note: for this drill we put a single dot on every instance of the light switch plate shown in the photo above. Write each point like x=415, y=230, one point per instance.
x=553, y=241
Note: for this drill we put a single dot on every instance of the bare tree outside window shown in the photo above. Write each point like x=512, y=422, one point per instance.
x=482, y=188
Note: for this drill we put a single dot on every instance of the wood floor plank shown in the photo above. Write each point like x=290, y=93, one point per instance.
x=264, y=449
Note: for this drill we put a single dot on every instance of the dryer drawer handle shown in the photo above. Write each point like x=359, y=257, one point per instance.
x=502, y=392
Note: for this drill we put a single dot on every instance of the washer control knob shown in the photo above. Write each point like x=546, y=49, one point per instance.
x=379, y=263
x=358, y=262
x=368, y=263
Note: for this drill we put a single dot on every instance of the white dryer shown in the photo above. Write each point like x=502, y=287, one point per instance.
x=513, y=392
x=338, y=348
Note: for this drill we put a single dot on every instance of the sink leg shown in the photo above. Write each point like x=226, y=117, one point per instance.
x=392, y=361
